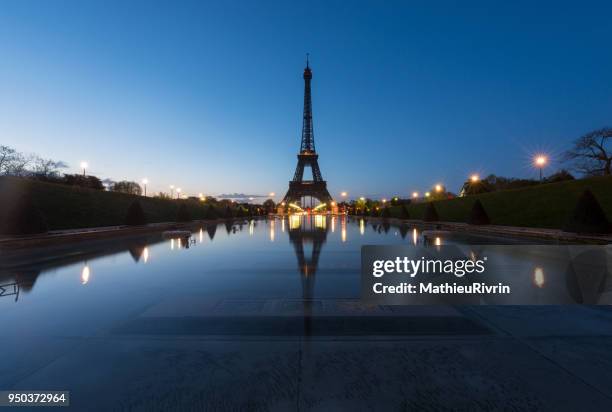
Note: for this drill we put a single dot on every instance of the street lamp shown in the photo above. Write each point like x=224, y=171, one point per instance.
x=540, y=161
x=144, y=183
x=475, y=178
x=272, y=194
x=84, y=166
x=438, y=188
x=171, y=191
x=427, y=194
x=415, y=195
x=343, y=194
x=178, y=192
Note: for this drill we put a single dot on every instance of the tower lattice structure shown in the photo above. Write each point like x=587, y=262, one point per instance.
x=298, y=187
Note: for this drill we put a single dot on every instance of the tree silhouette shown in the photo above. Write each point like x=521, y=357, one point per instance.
x=592, y=153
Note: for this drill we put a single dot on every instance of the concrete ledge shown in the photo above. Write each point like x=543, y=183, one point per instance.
x=76, y=235
x=506, y=231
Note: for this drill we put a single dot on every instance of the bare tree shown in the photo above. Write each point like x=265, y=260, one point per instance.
x=18, y=165
x=48, y=167
x=124, y=186
x=592, y=154
x=7, y=154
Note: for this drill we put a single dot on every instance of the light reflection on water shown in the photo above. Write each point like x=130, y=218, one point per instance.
x=258, y=263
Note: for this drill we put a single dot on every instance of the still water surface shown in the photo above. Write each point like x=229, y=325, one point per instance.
x=300, y=257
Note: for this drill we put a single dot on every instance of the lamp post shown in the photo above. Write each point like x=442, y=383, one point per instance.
x=178, y=192
x=540, y=161
x=475, y=178
x=144, y=183
x=415, y=195
x=171, y=191
x=84, y=166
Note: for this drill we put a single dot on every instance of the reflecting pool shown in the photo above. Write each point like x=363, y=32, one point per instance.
x=265, y=314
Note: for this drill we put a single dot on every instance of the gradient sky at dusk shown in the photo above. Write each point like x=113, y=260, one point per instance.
x=208, y=95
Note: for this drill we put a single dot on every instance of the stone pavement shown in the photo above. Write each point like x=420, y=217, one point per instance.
x=286, y=354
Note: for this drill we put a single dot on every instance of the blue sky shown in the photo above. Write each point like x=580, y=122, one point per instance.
x=208, y=96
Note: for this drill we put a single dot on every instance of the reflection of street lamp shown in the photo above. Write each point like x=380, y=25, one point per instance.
x=540, y=161
x=85, y=273
x=144, y=183
x=84, y=166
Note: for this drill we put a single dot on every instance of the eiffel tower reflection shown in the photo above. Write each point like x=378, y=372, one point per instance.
x=310, y=230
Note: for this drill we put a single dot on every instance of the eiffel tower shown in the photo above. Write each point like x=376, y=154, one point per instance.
x=298, y=187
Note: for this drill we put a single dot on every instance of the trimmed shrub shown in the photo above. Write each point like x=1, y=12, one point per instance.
x=135, y=215
x=478, y=215
x=211, y=213
x=24, y=219
x=182, y=214
x=588, y=216
x=386, y=213
x=431, y=214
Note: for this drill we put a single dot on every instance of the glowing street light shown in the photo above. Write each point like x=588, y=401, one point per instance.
x=343, y=194
x=362, y=198
x=438, y=188
x=144, y=183
x=415, y=195
x=384, y=201
x=178, y=192
x=84, y=166
x=171, y=191
x=272, y=194
x=427, y=194
x=475, y=178
x=540, y=161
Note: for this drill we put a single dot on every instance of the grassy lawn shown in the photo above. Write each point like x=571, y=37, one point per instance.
x=67, y=207
x=547, y=205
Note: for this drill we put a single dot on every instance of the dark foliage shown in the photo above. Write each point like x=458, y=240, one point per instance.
x=404, y=213
x=89, y=182
x=386, y=213
x=24, y=218
x=588, y=216
x=431, y=214
x=507, y=183
x=131, y=188
x=183, y=214
x=374, y=212
x=228, y=214
x=135, y=215
x=481, y=186
x=211, y=213
x=560, y=176
x=478, y=215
